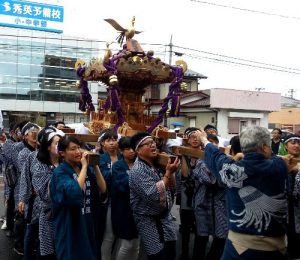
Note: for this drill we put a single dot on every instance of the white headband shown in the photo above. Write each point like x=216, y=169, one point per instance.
x=30, y=129
x=142, y=140
x=292, y=138
x=58, y=133
x=190, y=133
x=100, y=137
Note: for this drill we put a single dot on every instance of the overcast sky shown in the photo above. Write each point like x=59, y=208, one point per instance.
x=217, y=34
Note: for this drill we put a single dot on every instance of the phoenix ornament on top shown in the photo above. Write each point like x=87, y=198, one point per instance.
x=128, y=33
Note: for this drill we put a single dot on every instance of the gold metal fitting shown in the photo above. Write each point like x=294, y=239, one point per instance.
x=182, y=64
x=113, y=80
x=183, y=86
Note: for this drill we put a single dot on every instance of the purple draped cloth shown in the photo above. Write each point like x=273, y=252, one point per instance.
x=85, y=102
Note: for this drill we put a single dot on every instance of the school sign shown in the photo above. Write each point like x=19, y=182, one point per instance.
x=31, y=15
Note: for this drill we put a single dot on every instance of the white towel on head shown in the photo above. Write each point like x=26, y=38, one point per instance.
x=82, y=130
x=174, y=142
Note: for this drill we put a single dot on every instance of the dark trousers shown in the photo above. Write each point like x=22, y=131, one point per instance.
x=187, y=220
x=19, y=230
x=215, y=252
x=216, y=249
x=200, y=247
x=10, y=210
x=231, y=254
x=167, y=253
x=293, y=237
x=30, y=241
x=48, y=257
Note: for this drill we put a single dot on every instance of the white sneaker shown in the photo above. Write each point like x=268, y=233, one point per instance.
x=4, y=227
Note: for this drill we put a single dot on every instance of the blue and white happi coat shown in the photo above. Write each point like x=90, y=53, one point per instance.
x=296, y=195
x=7, y=155
x=14, y=156
x=209, y=203
x=256, y=191
x=40, y=180
x=151, y=203
x=26, y=192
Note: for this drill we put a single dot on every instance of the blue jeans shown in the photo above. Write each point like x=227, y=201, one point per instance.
x=30, y=241
x=231, y=254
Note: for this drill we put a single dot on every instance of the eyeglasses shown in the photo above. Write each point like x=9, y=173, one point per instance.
x=148, y=144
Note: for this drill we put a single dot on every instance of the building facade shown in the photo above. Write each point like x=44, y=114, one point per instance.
x=230, y=110
x=37, y=76
x=288, y=117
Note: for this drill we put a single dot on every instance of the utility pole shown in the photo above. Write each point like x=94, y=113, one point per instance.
x=171, y=49
x=165, y=121
x=291, y=92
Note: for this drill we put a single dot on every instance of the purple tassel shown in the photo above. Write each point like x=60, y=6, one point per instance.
x=85, y=102
x=175, y=105
x=172, y=95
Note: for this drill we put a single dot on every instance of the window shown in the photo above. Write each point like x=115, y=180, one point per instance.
x=192, y=122
x=243, y=125
x=154, y=91
x=253, y=122
x=233, y=126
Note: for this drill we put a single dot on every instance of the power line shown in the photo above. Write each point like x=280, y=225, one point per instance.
x=241, y=64
x=247, y=10
x=239, y=59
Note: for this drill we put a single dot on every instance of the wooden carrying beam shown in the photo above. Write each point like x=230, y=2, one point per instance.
x=93, y=158
x=188, y=151
x=293, y=163
x=197, y=153
x=163, y=159
x=165, y=135
x=68, y=130
x=85, y=138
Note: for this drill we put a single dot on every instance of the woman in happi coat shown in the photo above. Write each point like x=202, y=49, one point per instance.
x=109, y=144
x=46, y=161
x=151, y=198
x=123, y=224
x=292, y=145
x=75, y=194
